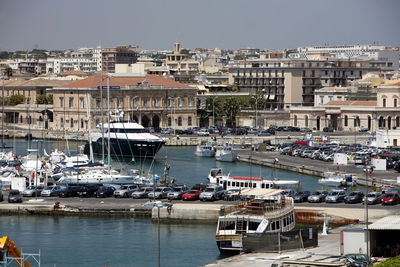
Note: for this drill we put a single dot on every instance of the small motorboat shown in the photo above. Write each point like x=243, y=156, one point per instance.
x=225, y=153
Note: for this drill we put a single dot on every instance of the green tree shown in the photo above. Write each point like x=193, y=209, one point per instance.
x=214, y=103
x=232, y=107
x=4, y=55
x=15, y=100
x=44, y=99
x=8, y=72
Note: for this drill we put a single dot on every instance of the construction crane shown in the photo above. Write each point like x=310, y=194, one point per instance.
x=8, y=246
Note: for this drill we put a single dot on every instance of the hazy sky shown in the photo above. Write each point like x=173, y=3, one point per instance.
x=156, y=24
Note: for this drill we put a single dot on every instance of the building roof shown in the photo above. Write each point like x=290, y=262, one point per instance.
x=35, y=83
x=73, y=72
x=386, y=223
x=352, y=103
x=95, y=81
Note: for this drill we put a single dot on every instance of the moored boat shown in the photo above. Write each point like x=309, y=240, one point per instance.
x=205, y=150
x=226, y=154
x=271, y=213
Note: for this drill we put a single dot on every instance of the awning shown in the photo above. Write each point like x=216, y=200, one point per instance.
x=386, y=223
x=271, y=97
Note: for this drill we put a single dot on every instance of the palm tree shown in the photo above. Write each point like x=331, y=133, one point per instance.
x=8, y=72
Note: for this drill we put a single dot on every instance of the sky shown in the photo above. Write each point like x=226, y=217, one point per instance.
x=225, y=24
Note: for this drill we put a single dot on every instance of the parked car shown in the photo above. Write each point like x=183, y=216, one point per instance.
x=203, y=132
x=142, y=192
x=269, y=148
x=70, y=191
x=191, y=195
x=335, y=196
x=105, y=191
x=177, y=192
x=390, y=199
x=264, y=133
x=328, y=130
x=231, y=195
x=317, y=196
x=14, y=197
x=51, y=191
x=212, y=193
x=363, y=130
x=126, y=190
x=305, y=130
x=373, y=198
x=354, y=197
x=88, y=191
x=32, y=191
x=357, y=260
x=301, y=196
x=160, y=192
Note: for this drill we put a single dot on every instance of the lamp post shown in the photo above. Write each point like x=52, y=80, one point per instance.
x=367, y=168
x=213, y=100
x=158, y=205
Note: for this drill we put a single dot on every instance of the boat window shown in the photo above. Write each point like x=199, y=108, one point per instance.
x=253, y=225
x=241, y=184
x=246, y=185
x=229, y=183
x=273, y=227
x=226, y=225
x=284, y=221
x=254, y=185
x=262, y=185
x=278, y=225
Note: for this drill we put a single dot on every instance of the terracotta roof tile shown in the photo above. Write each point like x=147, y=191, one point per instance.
x=95, y=80
x=353, y=103
x=73, y=72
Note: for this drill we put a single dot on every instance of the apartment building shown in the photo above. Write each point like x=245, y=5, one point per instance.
x=150, y=100
x=291, y=82
x=117, y=55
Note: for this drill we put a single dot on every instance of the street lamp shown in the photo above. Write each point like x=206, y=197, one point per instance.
x=158, y=205
x=368, y=169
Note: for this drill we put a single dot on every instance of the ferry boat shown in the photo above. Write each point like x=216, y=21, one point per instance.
x=271, y=213
x=127, y=139
x=216, y=176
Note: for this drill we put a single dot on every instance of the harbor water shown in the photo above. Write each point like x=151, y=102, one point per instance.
x=118, y=241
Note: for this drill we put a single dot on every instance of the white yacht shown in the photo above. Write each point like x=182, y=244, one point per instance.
x=205, y=150
x=127, y=139
x=269, y=213
x=340, y=180
x=96, y=176
x=225, y=153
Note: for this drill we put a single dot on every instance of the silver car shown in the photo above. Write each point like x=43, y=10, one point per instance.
x=125, y=191
x=50, y=191
x=142, y=192
x=160, y=192
x=317, y=196
x=177, y=192
x=212, y=193
x=32, y=191
x=335, y=196
x=373, y=198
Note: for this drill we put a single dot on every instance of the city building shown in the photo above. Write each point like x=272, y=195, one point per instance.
x=150, y=100
x=117, y=55
x=288, y=82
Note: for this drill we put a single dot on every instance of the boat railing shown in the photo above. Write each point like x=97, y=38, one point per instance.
x=273, y=208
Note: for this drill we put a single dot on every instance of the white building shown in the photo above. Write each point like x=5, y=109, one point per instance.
x=383, y=57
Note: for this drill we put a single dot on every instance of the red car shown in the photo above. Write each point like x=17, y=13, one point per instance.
x=191, y=195
x=390, y=199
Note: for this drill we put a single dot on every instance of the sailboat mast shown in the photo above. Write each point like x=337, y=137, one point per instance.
x=89, y=127
x=109, y=126
x=2, y=117
x=102, y=117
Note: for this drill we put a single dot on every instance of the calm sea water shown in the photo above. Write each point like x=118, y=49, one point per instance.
x=100, y=241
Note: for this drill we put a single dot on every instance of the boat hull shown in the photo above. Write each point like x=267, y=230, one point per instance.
x=126, y=148
x=205, y=153
x=227, y=157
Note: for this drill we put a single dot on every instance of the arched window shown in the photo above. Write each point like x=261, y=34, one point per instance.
x=384, y=102
x=397, y=121
x=82, y=124
x=346, y=120
x=72, y=123
x=395, y=102
x=381, y=122
x=179, y=121
x=357, y=121
x=134, y=102
x=62, y=122
x=306, y=121
x=189, y=121
x=389, y=120
x=169, y=121
x=295, y=120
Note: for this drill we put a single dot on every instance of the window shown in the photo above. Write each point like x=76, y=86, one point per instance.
x=357, y=121
x=62, y=122
x=118, y=103
x=179, y=121
x=145, y=102
x=97, y=103
x=295, y=120
x=134, y=102
x=169, y=121
x=81, y=102
x=155, y=102
x=71, y=102
x=321, y=99
x=384, y=102
x=82, y=124
x=170, y=102
x=180, y=102
x=346, y=121
x=395, y=102
x=72, y=123
x=61, y=102
x=306, y=121
x=190, y=101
